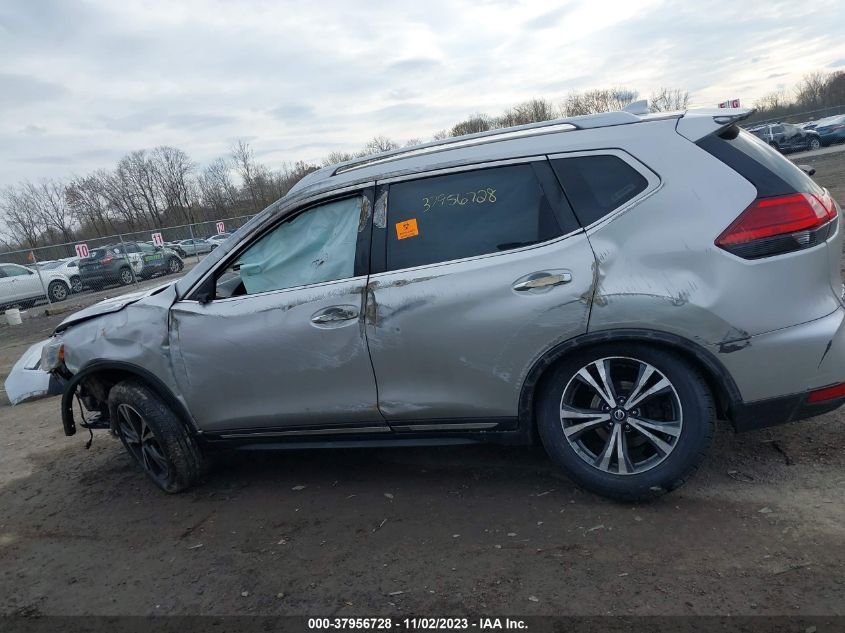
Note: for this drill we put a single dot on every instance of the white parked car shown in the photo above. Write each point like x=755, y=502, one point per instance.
x=218, y=239
x=21, y=286
x=69, y=267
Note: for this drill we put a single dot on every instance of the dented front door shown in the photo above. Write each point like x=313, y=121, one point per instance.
x=281, y=348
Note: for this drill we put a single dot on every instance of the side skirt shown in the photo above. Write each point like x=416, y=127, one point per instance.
x=406, y=433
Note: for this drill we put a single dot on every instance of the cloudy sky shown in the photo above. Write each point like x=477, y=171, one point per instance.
x=83, y=82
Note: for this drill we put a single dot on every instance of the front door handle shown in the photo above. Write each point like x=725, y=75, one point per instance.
x=334, y=314
x=546, y=281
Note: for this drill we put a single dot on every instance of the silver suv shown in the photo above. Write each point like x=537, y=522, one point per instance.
x=609, y=284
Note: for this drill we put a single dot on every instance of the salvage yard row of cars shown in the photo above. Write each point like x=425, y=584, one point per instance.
x=116, y=264
x=788, y=137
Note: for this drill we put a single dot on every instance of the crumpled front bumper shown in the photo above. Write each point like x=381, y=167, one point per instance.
x=27, y=381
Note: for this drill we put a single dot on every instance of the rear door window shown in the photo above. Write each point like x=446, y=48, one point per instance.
x=597, y=184
x=472, y=213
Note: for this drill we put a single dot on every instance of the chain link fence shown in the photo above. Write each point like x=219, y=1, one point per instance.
x=53, y=273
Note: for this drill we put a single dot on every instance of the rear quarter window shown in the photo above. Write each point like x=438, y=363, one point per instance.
x=763, y=166
x=596, y=185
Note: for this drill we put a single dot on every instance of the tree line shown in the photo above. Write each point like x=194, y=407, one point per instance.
x=818, y=94
x=161, y=187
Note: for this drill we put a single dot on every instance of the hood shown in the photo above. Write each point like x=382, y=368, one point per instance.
x=107, y=306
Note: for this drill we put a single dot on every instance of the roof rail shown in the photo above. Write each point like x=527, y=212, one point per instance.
x=584, y=122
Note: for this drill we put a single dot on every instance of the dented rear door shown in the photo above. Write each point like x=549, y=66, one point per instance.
x=476, y=273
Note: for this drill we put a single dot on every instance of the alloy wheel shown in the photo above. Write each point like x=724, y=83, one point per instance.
x=142, y=443
x=621, y=415
x=59, y=292
x=174, y=266
x=126, y=276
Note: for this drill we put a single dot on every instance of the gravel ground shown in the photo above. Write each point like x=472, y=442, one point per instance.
x=434, y=531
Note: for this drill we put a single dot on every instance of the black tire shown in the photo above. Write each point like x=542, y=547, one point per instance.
x=694, y=434
x=174, y=265
x=813, y=144
x=169, y=455
x=76, y=284
x=58, y=290
x=126, y=276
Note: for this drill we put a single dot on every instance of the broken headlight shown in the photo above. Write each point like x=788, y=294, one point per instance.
x=52, y=354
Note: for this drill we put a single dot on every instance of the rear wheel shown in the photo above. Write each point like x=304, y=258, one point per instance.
x=154, y=437
x=626, y=421
x=174, y=265
x=126, y=277
x=76, y=284
x=58, y=290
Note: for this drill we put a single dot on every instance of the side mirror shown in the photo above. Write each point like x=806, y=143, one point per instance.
x=807, y=169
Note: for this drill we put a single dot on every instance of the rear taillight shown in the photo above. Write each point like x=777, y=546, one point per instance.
x=781, y=224
x=107, y=259
x=836, y=127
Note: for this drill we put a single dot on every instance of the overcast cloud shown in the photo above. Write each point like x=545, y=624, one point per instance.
x=82, y=83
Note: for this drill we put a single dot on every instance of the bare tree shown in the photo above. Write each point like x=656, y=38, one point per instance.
x=337, y=157
x=810, y=91
x=21, y=218
x=49, y=201
x=668, y=100
x=252, y=174
x=473, y=124
x=173, y=169
x=377, y=145
x=599, y=100
x=216, y=189
x=531, y=111
x=85, y=197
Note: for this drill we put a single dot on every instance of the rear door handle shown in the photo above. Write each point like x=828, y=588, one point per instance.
x=334, y=314
x=545, y=281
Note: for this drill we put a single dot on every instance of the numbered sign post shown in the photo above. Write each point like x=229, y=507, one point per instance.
x=82, y=250
x=158, y=239
x=221, y=228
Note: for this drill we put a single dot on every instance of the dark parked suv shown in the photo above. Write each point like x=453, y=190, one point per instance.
x=788, y=138
x=123, y=263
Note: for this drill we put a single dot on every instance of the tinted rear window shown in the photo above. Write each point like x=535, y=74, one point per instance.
x=766, y=168
x=596, y=185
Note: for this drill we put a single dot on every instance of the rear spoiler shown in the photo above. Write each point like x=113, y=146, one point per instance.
x=698, y=123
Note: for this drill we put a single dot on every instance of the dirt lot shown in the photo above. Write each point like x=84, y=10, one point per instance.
x=441, y=531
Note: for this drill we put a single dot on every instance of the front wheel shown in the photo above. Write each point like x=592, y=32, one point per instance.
x=76, y=284
x=57, y=290
x=154, y=437
x=626, y=421
x=814, y=144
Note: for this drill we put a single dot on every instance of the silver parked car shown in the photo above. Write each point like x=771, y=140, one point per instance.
x=22, y=286
x=609, y=285
x=196, y=246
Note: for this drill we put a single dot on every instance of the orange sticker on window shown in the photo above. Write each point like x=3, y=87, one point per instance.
x=408, y=228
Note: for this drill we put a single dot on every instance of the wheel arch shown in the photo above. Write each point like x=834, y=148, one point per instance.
x=106, y=374
x=725, y=392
